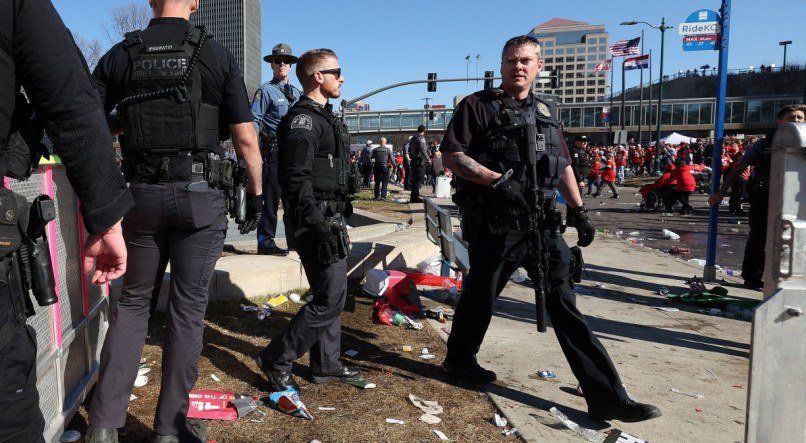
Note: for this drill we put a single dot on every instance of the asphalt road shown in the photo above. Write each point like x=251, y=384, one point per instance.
x=622, y=218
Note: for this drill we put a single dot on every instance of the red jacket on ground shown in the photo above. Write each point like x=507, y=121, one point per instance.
x=685, y=181
x=609, y=174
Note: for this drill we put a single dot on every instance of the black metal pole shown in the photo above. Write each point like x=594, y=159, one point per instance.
x=610, y=113
x=622, y=116
x=649, y=114
x=660, y=95
x=641, y=98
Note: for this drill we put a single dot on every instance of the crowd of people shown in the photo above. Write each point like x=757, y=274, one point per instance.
x=380, y=165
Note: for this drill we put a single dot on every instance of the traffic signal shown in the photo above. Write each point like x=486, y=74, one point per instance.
x=555, y=78
x=432, y=84
x=488, y=79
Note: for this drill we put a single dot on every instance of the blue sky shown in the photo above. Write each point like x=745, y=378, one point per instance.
x=380, y=42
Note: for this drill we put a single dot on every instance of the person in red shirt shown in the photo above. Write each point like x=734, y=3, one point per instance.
x=608, y=176
x=595, y=172
x=685, y=185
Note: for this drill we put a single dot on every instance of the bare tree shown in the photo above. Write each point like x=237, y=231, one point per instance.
x=91, y=49
x=126, y=18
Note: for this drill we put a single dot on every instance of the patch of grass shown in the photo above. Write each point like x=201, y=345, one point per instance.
x=365, y=200
x=233, y=337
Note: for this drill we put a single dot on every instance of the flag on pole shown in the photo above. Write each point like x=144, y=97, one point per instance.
x=606, y=114
x=640, y=62
x=625, y=47
x=604, y=65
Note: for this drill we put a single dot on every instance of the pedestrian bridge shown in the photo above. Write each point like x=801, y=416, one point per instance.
x=694, y=116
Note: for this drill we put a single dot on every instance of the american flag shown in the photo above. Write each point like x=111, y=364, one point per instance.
x=604, y=65
x=625, y=47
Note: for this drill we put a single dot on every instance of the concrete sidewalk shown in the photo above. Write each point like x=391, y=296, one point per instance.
x=654, y=351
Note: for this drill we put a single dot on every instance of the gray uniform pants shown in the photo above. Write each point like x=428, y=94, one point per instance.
x=317, y=326
x=188, y=227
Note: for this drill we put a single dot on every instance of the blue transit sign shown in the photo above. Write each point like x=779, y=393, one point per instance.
x=700, y=31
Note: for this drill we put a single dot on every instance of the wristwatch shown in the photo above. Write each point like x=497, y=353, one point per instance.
x=504, y=177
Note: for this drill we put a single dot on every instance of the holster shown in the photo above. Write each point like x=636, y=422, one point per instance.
x=339, y=226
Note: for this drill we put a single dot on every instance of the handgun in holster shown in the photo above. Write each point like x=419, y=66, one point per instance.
x=33, y=256
x=236, y=194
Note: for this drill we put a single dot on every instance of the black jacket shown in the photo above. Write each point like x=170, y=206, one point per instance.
x=38, y=53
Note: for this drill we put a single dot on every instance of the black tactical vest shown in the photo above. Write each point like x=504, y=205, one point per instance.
x=763, y=166
x=330, y=173
x=500, y=146
x=163, y=114
x=381, y=155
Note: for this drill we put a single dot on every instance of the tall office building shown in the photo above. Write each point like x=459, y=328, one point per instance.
x=574, y=48
x=236, y=25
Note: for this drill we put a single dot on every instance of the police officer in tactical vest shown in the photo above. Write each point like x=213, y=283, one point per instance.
x=760, y=157
x=175, y=88
x=487, y=151
x=418, y=153
x=314, y=149
x=58, y=99
x=381, y=156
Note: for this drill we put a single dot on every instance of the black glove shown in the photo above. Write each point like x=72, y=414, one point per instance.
x=510, y=192
x=585, y=229
x=254, y=205
x=326, y=245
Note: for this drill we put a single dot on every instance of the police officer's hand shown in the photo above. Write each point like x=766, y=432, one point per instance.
x=510, y=192
x=582, y=223
x=254, y=205
x=326, y=245
x=107, y=254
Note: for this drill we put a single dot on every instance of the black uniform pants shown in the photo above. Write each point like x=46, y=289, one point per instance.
x=20, y=417
x=737, y=195
x=317, y=325
x=406, y=176
x=366, y=173
x=381, y=180
x=188, y=226
x=493, y=259
x=417, y=177
x=267, y=226
x=753, y=264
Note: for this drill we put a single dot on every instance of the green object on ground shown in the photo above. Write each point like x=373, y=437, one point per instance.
x=709, y=298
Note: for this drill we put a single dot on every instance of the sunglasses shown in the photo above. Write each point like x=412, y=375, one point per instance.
x=335, y=71
x=281, y=61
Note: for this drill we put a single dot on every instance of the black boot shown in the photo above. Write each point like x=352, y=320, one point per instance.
x=628, y=411
x=344, y=373
x=278, y=380
x=468, y=370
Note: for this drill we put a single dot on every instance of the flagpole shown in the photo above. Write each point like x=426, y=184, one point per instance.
x=641, y=97
x=622, y=118
x=649, y=115
x=610, y=112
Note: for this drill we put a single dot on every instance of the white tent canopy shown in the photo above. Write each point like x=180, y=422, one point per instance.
x=675, y=139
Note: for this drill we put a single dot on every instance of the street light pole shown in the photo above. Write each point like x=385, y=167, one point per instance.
x=662, y=28
x=784, y=43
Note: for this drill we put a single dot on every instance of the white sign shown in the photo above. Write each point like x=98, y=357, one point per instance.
x=698, y=28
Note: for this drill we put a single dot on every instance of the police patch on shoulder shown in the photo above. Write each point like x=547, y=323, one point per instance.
x=302, y=121
x=543, y=109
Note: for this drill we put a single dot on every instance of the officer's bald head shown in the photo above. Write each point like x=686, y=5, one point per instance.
x=174, y=8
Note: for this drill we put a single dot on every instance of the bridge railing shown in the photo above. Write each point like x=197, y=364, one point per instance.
x=696, y=113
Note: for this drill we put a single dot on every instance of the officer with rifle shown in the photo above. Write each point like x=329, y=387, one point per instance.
x=506, y=147
x=314, y=176
x=178, y=94
x=58, y=99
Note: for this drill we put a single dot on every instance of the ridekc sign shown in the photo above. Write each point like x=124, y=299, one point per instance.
x=700, y=31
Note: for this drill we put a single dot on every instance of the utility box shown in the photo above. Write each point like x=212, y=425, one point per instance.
x=775, y=404
x=69, y=333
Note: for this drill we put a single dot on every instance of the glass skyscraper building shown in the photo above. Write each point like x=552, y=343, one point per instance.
x=575, y=48
x=236, y=25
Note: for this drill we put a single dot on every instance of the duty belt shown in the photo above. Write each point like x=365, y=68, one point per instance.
x=162, y=175
x=331, y=207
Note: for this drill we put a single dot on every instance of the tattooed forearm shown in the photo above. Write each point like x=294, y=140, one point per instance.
x=469, y=169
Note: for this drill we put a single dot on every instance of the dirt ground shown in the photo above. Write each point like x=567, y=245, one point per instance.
x=233, y=336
